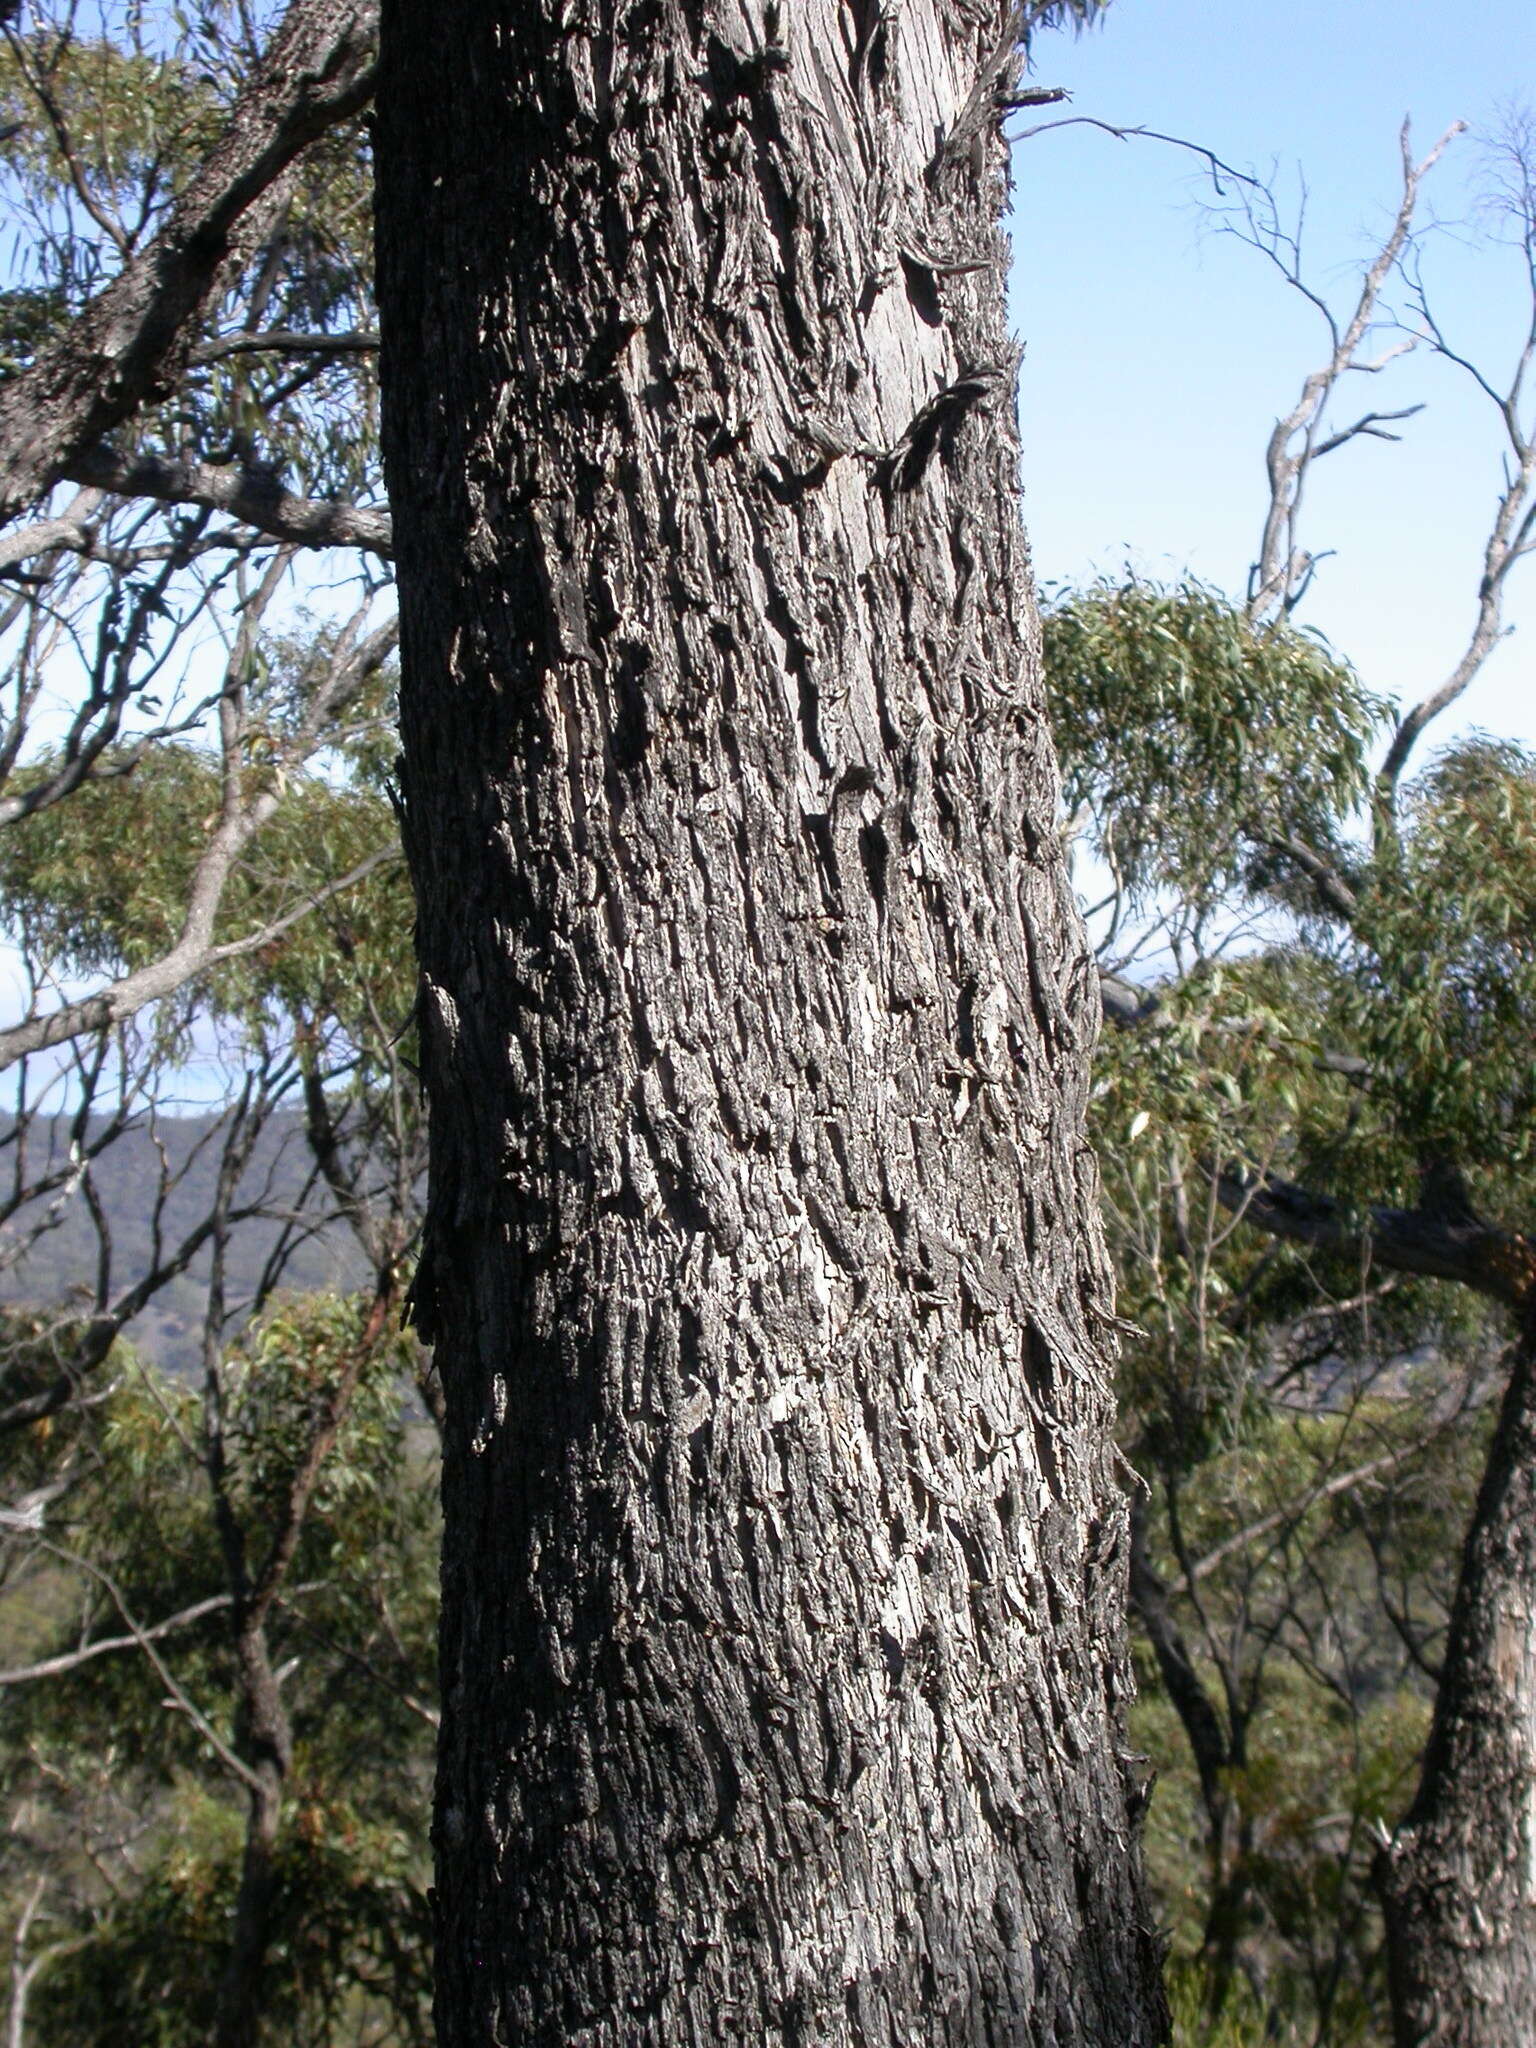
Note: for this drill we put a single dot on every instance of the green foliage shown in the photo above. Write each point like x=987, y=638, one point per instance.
x=279, y=1379
x=1446, y=994
x=1188, y=736
x=350, y=1954
x=112, y=1779
x=98, y=125
x=38, y=1347
x=29, y=314
x=1249, y=1399
x=1228, y=1069
x=1323, y=1769
x=109, y=129
x=100, y=885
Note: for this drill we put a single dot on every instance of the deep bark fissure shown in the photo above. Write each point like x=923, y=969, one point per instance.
x=782, y=1643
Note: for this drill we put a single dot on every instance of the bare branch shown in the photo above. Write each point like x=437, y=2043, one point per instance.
x=1278, y=578
x=283, y=341
x=146, y=1642
x=1293, y=1511
x=317, y=71
x=248, y=494
x=1500, y=1264
x=70, y=532
x=195, y=949
x=1217, y=167
x=105, y=1646
x=1371, y=423
x=1514, y=520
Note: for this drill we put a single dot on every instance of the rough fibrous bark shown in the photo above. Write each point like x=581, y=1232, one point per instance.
x=782, y=1644
x=1459, y=1879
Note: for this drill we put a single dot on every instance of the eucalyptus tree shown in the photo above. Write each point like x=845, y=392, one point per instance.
x=133, y=1750
x=184, y=337
x=195, y=839
x=783, y=1667
x=1356, y=1083
x=189, y=763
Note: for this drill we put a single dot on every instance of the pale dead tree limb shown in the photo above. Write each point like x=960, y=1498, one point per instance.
x=252, y=942
x=243, y=816
x=1279, y=578
x=109, y=1646
x=1512, y=534
x=106, y=1646
x=122, y=347
x=1293, y=1512
x=70, y=532
x=252, y=497
x=21, y=1973
x=25, y=1969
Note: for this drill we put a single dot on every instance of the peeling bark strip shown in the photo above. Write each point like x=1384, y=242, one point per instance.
x=782, y=1642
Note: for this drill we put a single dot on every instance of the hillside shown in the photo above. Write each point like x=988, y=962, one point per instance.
x=179, y=1156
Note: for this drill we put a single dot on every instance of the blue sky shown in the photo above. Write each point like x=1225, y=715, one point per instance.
x=1158, y=354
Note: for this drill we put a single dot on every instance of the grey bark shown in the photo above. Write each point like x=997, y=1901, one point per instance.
x=1459, y=1879
x=254, y=499
x=782, y=1649
x=1437, y=1242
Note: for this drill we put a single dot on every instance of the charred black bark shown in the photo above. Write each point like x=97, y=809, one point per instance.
x=782, y=1641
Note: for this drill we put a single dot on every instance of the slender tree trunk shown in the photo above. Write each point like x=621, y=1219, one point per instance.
x=1218, y=1750
x=1459, y=1880
x=782, y=1639
x=266, y=1746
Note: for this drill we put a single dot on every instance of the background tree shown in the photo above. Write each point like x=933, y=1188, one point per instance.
x=198, y=856
x=133, y=1730
x=1353, y=1080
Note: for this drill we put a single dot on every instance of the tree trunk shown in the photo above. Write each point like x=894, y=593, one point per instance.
x=1218, y=1750
x=782, y=1638
x=266, y=1747
x=1459, y=1880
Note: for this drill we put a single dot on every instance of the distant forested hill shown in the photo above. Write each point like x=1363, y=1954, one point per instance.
x=61, y=1265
